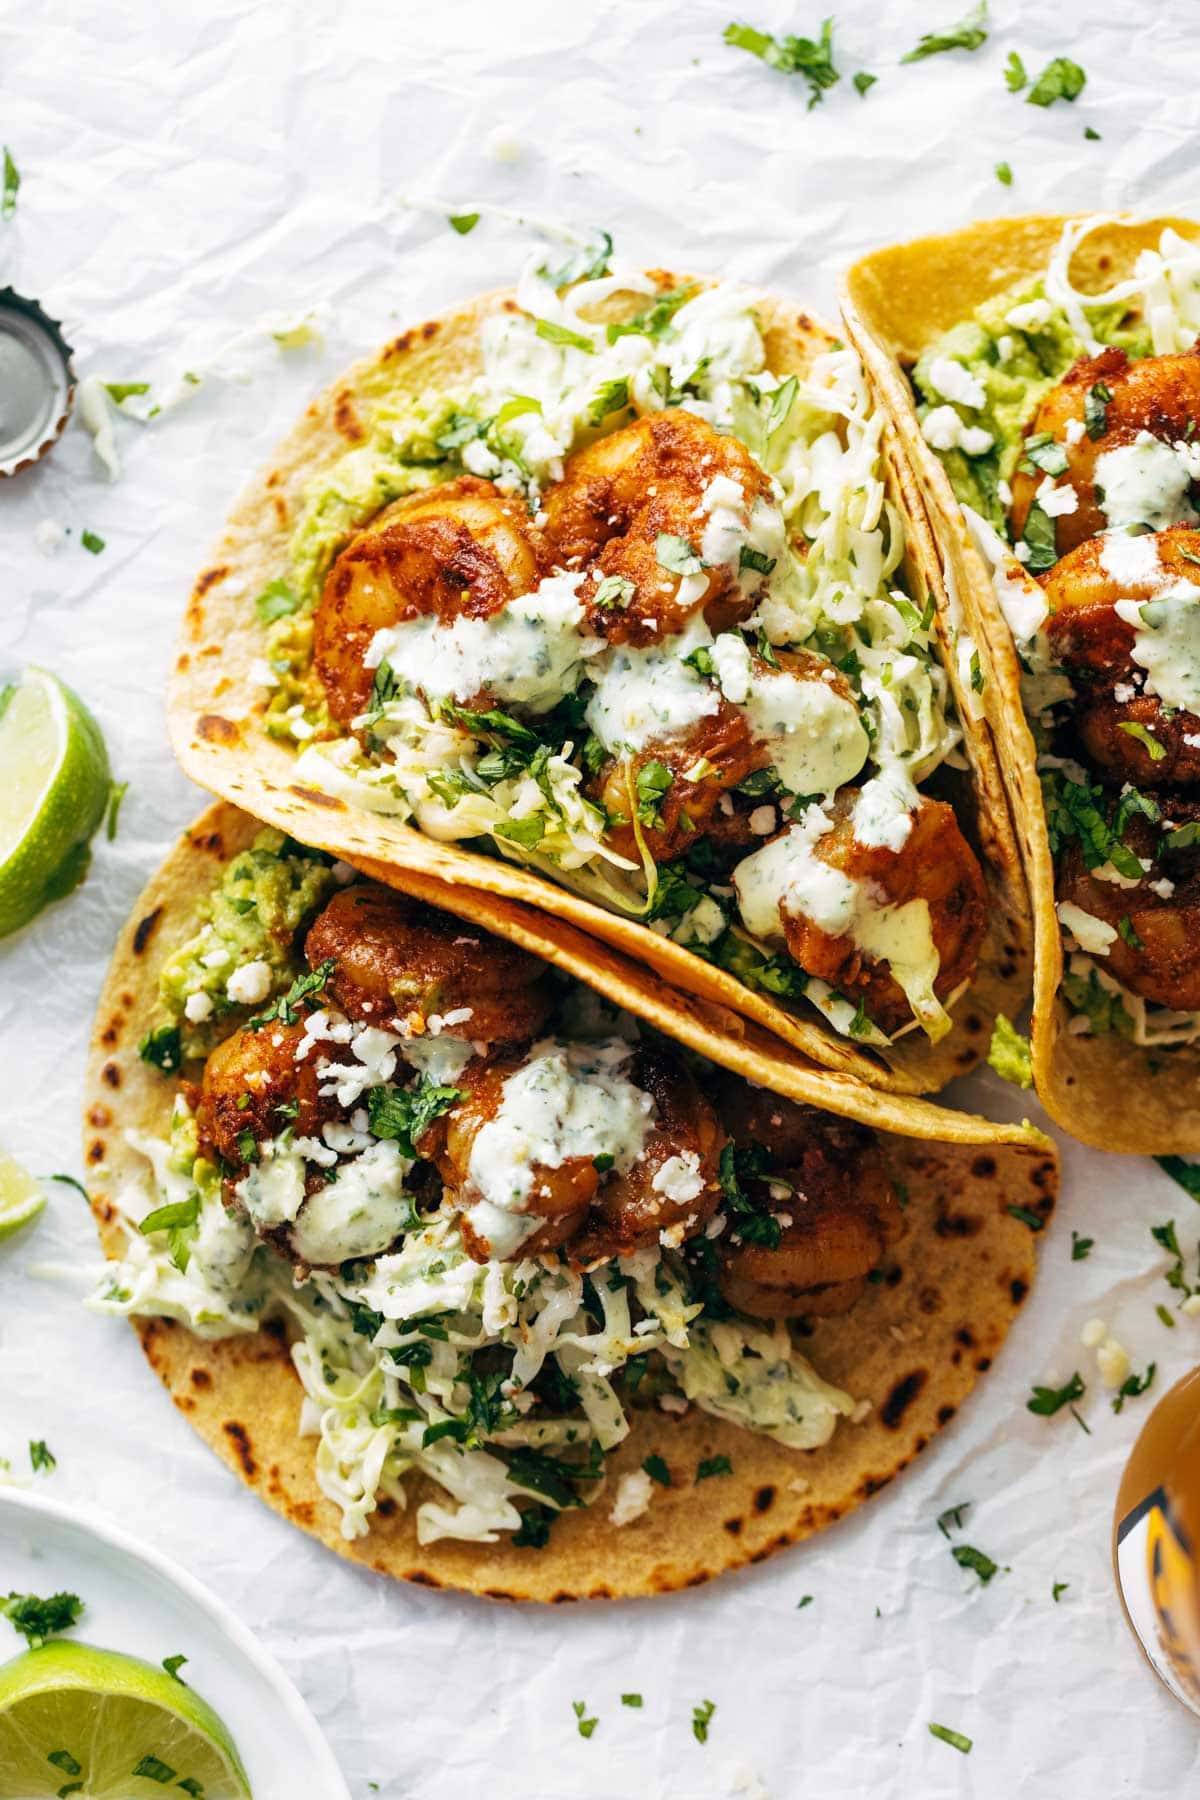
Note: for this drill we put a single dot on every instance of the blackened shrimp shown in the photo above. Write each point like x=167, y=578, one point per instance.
x=397, y=962
x=253, y=1089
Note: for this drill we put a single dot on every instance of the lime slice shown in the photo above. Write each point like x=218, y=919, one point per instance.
x=21, y=1199
x=118, y=1727
x=54, y=785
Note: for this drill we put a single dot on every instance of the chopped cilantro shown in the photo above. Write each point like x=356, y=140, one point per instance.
x=1015, y=77
x=1004, y=174
x=276, y=601
x=1095, y=409
x=968, y=34
x=955, y=1739
x=585, y=1727
x=12, y=184
x=967, y=1557
x=42, y=1459
x=1128, y=934
x=125, y=390
x=1028, y=1217
x=701, y=1719
x=172, y=1216
x=655, y=321
x=526, y=832
x=70, y=1181
x=862, y=81
x=652, y=782
x=792, y=55
x=952, y=1518
x=610, y=397
x=404, y=1114
x=284, y=1006
x=1132, y=1386
x=1039, y=538
x=1185, y=1173
x=1047, y=1400
x=803, y=1601
x=1058, y=1590
x=1042, y=452
x=91, y=541
x=657, y=1470
x=676, y=554
x=173, y=1664
x=631, y=1700
x=462, y=222
x=38, y=1619
x=1081, y=1247
x=1061, y=79
x=550, y=333
x=713, y=1465
x=756, y=560
x=586, y=262
x=533, y=1533
x=613, y=591
x=1092, y=135
x=735, y=1167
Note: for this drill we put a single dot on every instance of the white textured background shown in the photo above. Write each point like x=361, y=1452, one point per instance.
x=186, y=170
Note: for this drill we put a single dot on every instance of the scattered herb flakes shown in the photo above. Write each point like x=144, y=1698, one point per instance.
x=283, y=1007
x=793, y=56
x=803, y=1601
x=1133, y=1385
x=968, y=34
x=1015, y=77
x=1034, y=1220
x=1095, y=409
x=38, y=1619
x=1091, y=134
x=1040, y=541
x=1046, y=1401
x=584, y=1726
x=12, y=186
x=42, y=1459
x=955, y=1739
x=631, y=1700
x=1061, y=79
x=713, y=1465
x=967, y=1557
x=566, y=339
x=952, y=1518
x=1081, y=1247
x=277, y=601
x=656, y=1468
x=701, y=1717
x=862, y=81
x=1185, y=1173
x=116, y=793
x=173, y=1664
x=676, y=554
x=92, y=541
x=1004, y=174
x=1165, y=1316
x=70, y=1181
x=463, y=222
x=118, y=391
x=1058, y=1590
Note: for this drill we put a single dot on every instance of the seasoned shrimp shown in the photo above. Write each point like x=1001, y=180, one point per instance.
x=935, y=864
x=399, y=962
x=461, y=550
x=715, y=753
x=673, y=1187
x=253, y=1089
x=827, y=1185
x=1106, y=403
x=1155, y=924
x=1123, y=728
x=634, y=502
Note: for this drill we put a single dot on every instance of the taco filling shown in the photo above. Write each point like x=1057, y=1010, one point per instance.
x=1068, y=424
x=628, y=607
x=495, y=1215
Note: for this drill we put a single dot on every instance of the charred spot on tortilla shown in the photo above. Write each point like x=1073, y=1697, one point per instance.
x=901, y=1397
x=208, y=580
x=146, y=927
x=213, y=728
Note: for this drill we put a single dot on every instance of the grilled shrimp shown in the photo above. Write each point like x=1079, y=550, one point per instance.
x=934, y=864
x=461, y=550
x=827, y=1185
x=397, y=962
x=635, y=502
x=1155, y=923
x=673, y=1187
x=1107, y=403
x=253, y=1088
x=1124, y=729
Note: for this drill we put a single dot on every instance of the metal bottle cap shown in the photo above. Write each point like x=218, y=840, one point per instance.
x=37, y=382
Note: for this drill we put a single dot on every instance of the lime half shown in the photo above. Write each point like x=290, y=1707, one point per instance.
x=21, y=1198
x=74, y=1720
x=54, y=785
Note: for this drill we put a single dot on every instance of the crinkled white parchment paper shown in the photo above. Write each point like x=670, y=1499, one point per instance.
x=188, y=170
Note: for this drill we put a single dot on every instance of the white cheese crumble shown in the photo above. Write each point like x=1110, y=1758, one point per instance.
x=1056, y=502
x=197, y=1008
x=679, y=1179
x=955, y=382
x=49, y=536
x=943, y=429
x=632, y=1498
x=249, y=984
x=1090, y=933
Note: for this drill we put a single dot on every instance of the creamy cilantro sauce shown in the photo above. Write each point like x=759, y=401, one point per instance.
x=567, y=1101
x=1146, y=483
x=816, y=737
x=646, y=696
x=1167, y=642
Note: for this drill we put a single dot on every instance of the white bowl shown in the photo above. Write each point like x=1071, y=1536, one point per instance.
x=138, y=1601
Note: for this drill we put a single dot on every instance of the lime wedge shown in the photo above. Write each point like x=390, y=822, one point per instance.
x=118, y=1728
x=21, y=1199
x=54, y=785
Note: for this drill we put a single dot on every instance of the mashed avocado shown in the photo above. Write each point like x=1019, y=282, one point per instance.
x=1010, y=1054
x=250, y=921
x=1008, y=367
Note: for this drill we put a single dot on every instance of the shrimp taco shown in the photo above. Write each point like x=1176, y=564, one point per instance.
x=497, y=1280
x=1045, y=375
x=611, y=596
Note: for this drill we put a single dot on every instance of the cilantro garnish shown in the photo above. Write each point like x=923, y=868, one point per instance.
x=657, y=1470
x=91, y=541
x=1039, y=538
x=42, y=1459
x=404, y=1114
x=528, y=833
x=655, y=321
x=162, y=1048
x=862, y=81
x=793, y=56
x=709, y=1466
x=968, y=34
x=173, y=1664
x=735, y=1167
x=550, y=333
x=38, y=1619
x=462, y=222
x=1004, y=174
x=631, y=1700
x=803, y=1601
x=1028, y=1217
x=118, y=391
x=967, y=1557
x=1132, y=1386
x=952, y=1518
x=652, y=782
x=955, y=1739
x=1015, y=77
x=1058, y=1590
x=179, y=1220
x=586, y=263
x=1042, y=452
x=676, y=554
x=1072, y=812
x=585, y=1727
x=701, y=1718
x=1046, y=1401
x=284, y=1006
x=1061, y=79
x=12, y=184
x=1081, y=1247
x=1095, y=409
x=610, y=397
x=1185, y=1173
x=533, y=1533
x=613, y=591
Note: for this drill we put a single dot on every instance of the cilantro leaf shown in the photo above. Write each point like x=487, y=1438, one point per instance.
x=967, y=1557
x=462, y=222
x=1132, y=1386
x=42, y=1459
x=566, y=339
x=793, y=55
x=38, y=1619
x=709, y=1466
x=1081, y=1247
x=1095, y=409
x=405, y=1114
x=1040, y=540
x=676, y=554
x=1061, y=79
x=863, y=81
x=955, y=1739
x=12, y=184
x=656, y=1468
x=1187, y=1174
x=701, y=1718
x=968, y=34
x=1015, y=77
x=1046, y=1401
x=163, y=1049
x=1004, y=174
x=276, y=601
x=284, y=1006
